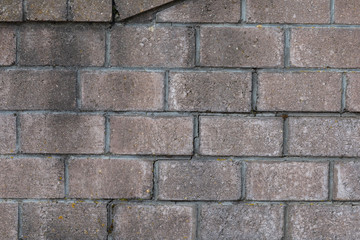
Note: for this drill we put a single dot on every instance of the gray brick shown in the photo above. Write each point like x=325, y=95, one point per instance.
x=199, y=180
x=90, y=11
x=11, y=10
x=7, y=134
x=9, y=220
x=347, y=12
x=352, y=92
x=346, y=181
x=7, y=45
x=46, y=10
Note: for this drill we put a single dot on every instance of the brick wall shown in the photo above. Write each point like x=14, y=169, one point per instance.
x=179, y=119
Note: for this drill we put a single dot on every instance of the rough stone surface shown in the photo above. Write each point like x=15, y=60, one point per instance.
x=9, y=220
x=288, y=11
x=128, y=8
x=122, y=90
x=64, y=220
x=241, y=47
x=199, y=180
x=324, y=222
x=62, y=133
x=241, y=222
x=32, y=178
x=233, y=136
x=202, y=11
x=7, y=45
x=312, y=47
x=346, y=181
x=37, y=89
x=93, y=11
x=11, y=10
x=46, y=10
x=347, y=12
x=141, y=46
x=7, y=133
x=298, y=91
x=154, y=222
x=62, y=44
x=352, y=92
x=210, y=91
x=151, y=135
x=110, y=178
x=324, y=136
x=287, y=180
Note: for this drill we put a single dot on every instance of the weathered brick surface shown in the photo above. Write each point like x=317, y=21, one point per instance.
x=199, y=180
x=241, y=47
x=298, y=91
x=122, y=90
x=232, y=136
x=284, y=11
x=152, y=46
x=93, y=11
x=32, y=178
x=46, y=10
x=60, y=220
x=287, y=180
x=312, y=47
x=37, y=89
x=151, y=135
x=128, y=8
x=346, y=180
x=11, y=10
x=154, y=222
x=9, y=220
x=210, y=91
x=352, y=92
x=324, y=136
x=110, y=178
x=241, y=221
x=7, y=133
x=347, y=12
x=62, y=133
x=7, y=45
x=62, y=44
x=324, y=222
x=202, y=11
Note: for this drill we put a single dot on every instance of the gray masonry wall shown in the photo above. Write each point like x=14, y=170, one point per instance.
x=179, y=119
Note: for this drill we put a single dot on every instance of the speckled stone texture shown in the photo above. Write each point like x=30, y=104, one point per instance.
x=9, y=220
x=324, y=136
x=288, y=11
x=46, y=10
x=7, y=133
x=298, y=91
x=352, y=92
x=347, y=12
x=152, y=46
x=37, y=89
x=199, y=180
x=324, y=221
x=151, y=135
x=11, y=10
x=232, y=136
x=202, y=11
x=122, y=90
x=110, y=178
x=59, y=220
x=210, y=91
x=312, y=47
x=287, y=180
x=241, y=47
x=90, y=11
x=346, y=180
x=62, y=133
x=134, y=221
x=7, y=45
x=241, y=221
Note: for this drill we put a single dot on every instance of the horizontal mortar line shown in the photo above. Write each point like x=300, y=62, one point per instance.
x=185, y=69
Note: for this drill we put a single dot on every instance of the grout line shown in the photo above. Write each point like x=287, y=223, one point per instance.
x=155, y=192
x=110, y=226
x=332, y=11
x=286, y=218
x=243, y=11
x=197, y=46
x=66, y=176
x=78, y=90
x=197, y=227
x=107, y=134
x=285, y=135
x=254, y=90
x=19, y=221
x=287, y=36
x=166, y=90
x=18, y=134
x=331, y=180
x=107, y=48
x=24, y=10
x=243, y=180
x=196, y=135
x=68, y=10
x=17, y=45
x=343, y=92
